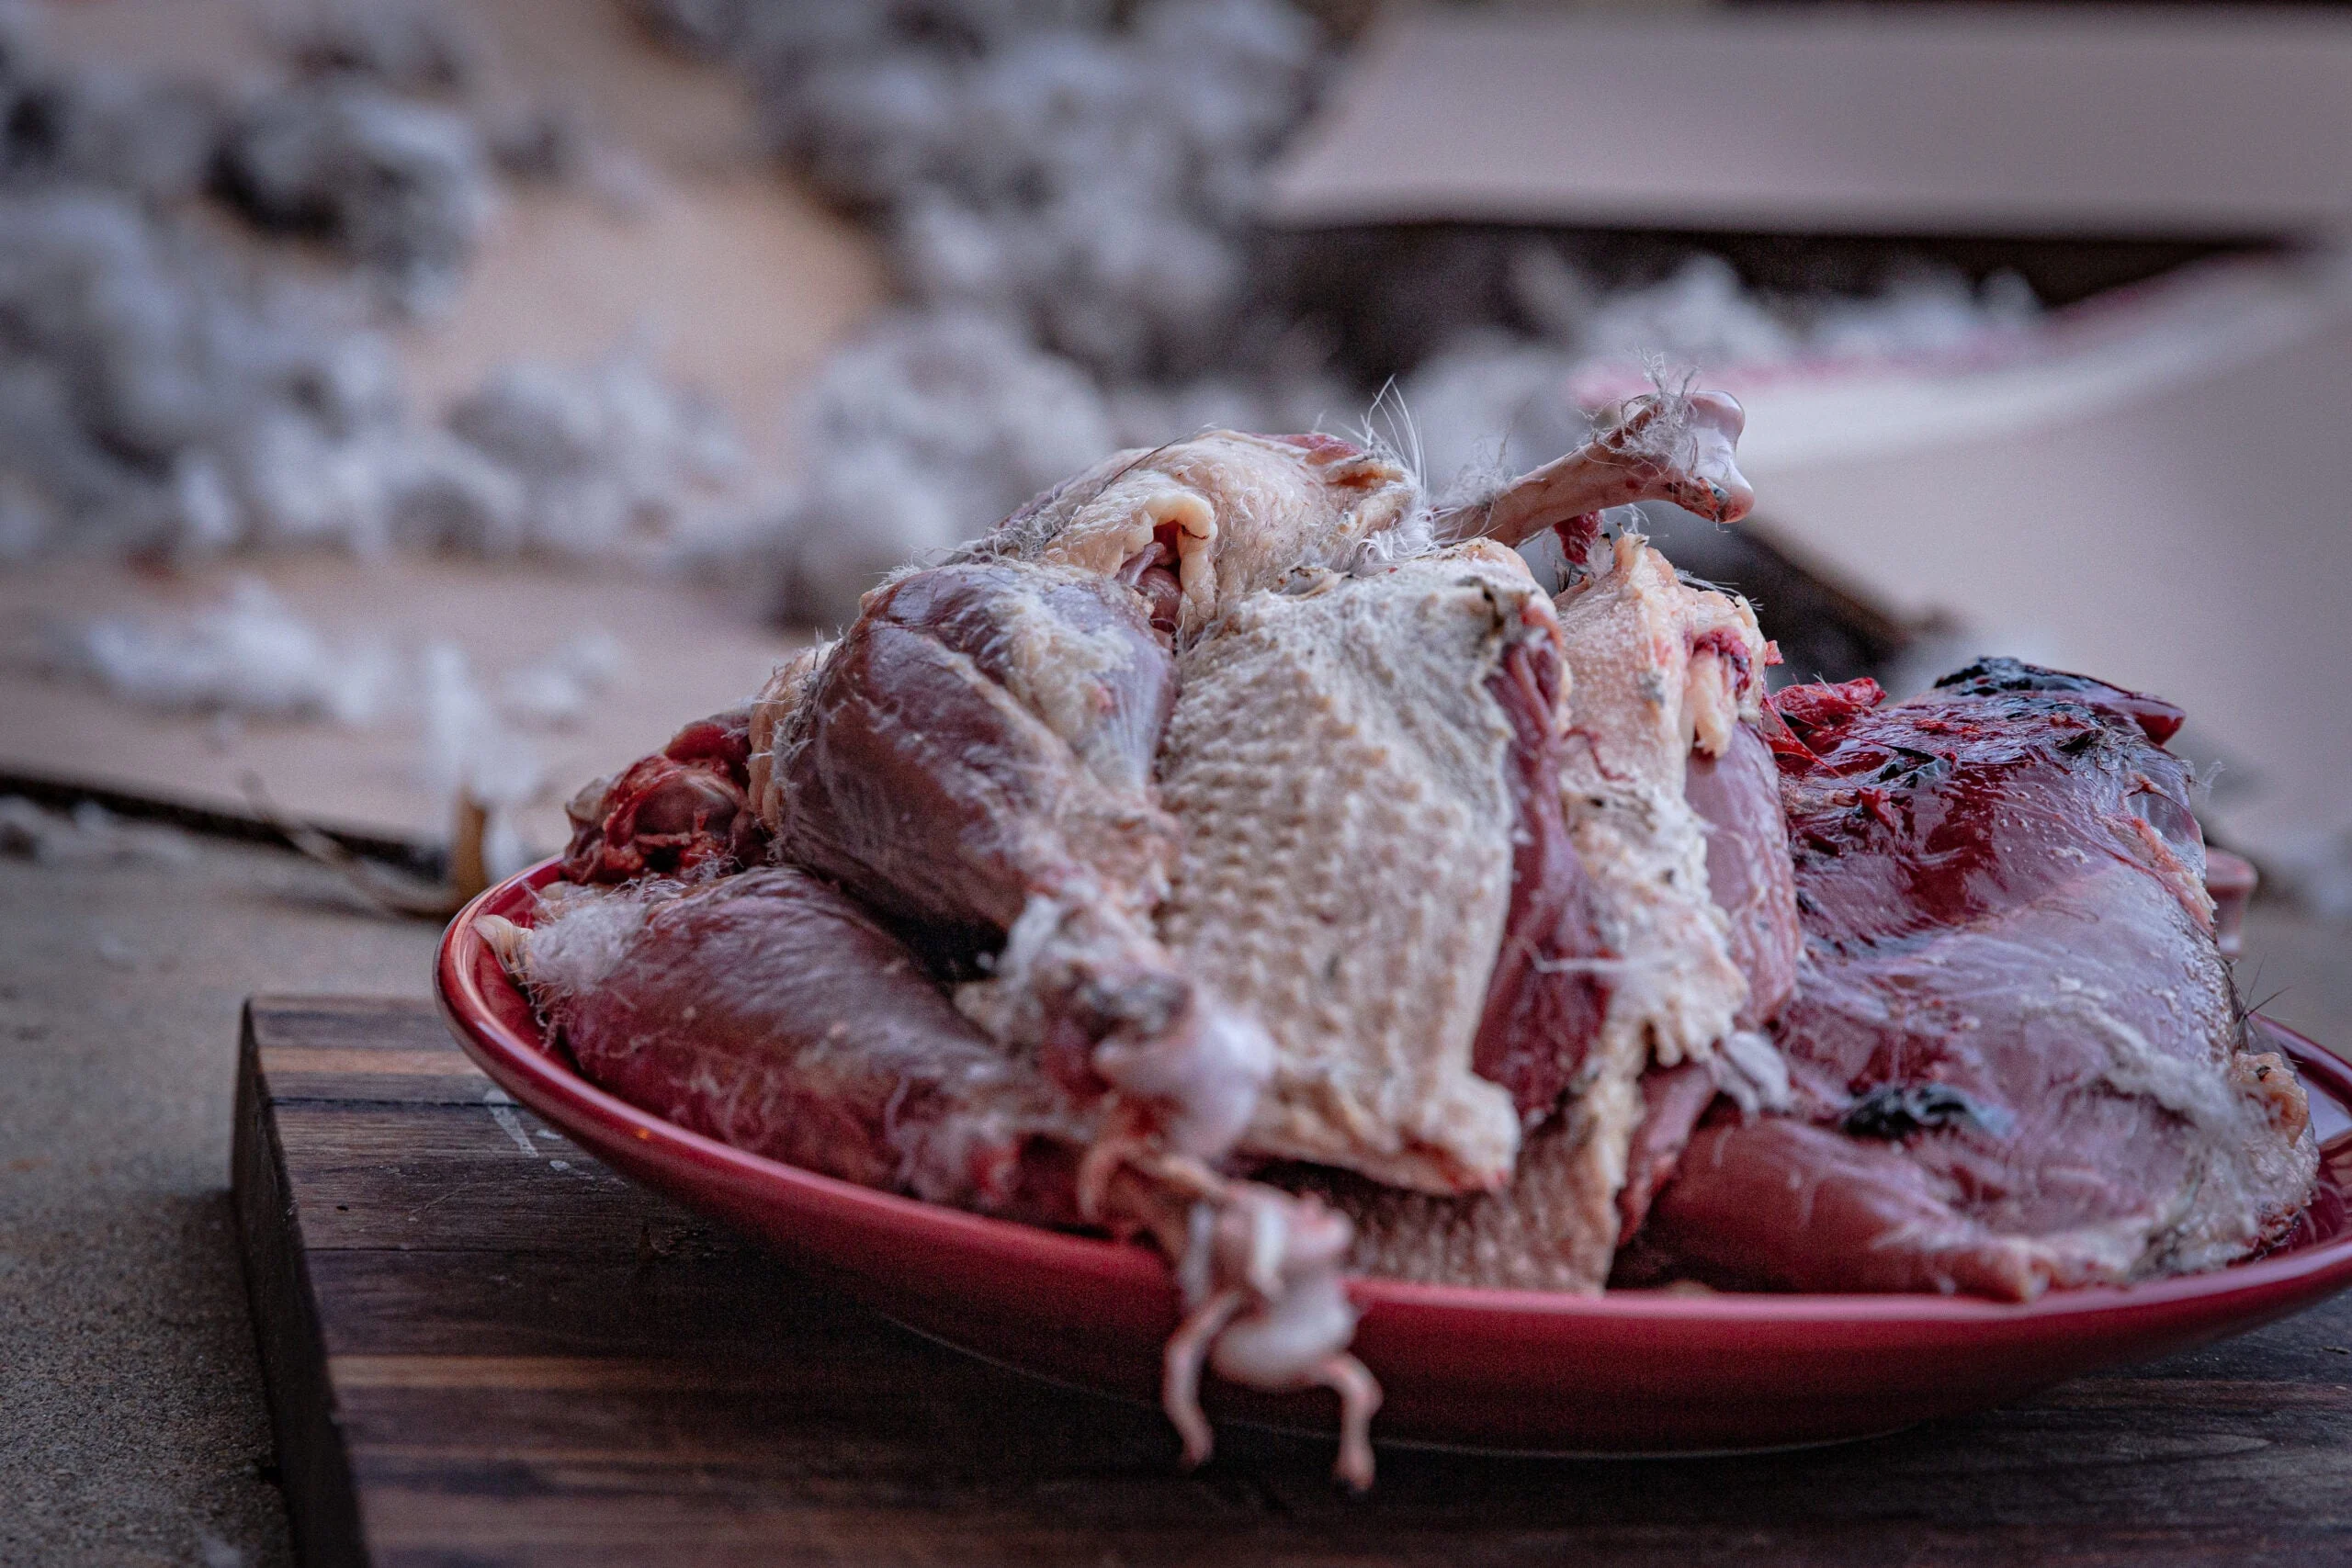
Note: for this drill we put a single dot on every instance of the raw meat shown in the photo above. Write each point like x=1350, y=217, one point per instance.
x=1657, y=669
x=1660, y=668
x=983, y=736
x=1230, y=851
x=680, y=812
x=771, y=1012
x=973, y=764
x=1738, y=798
x=974, y=759
x=1344, y=773
x=1549, y=988
x=2018, y=1062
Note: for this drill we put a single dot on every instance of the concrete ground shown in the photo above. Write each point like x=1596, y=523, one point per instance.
x=133, y=1430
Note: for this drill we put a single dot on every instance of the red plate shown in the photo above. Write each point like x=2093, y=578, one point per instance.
x=1628, y=1372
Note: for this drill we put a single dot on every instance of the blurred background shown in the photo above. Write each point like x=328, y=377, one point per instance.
x=409, y=412
x=403, y=402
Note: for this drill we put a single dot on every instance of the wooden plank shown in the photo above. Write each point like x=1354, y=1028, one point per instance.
x=359, y=1023
x=425, y=859
x=473, y=1177
x=475, y=1357
x=311, y=1462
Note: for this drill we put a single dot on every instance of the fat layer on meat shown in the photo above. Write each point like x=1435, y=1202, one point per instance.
x=1660, y=668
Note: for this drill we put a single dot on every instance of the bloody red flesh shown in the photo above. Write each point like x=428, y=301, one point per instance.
x=1547, y=994
x=2008, y=947
x=770, y=1012
x=1951, y=807
x=677, y=813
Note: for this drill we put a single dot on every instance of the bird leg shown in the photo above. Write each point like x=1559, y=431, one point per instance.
x=1674, y=446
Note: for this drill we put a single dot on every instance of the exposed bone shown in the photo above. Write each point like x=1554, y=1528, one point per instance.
x=1674, y=446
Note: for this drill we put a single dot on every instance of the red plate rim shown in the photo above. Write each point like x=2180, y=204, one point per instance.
x=525, y=1067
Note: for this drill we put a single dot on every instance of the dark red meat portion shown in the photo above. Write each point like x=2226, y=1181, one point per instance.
x=1673, y=1099
x=722, y=740
x=1738, y=795
x=1801, y=722
x=677, y=813
x=1546, y=997
x=1959, y=805
x=923, y=776
x=2158, y=720
x=770, y=1012
x=2015, y=1048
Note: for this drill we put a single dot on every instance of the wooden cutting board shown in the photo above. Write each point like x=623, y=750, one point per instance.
x=484, y=1348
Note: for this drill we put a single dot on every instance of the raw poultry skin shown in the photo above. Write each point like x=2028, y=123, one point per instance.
x=1658, y=672
x=971, y=765
x=1359, y=716
x=2017, y=1059
x=1226, y=833
x=1344, y=771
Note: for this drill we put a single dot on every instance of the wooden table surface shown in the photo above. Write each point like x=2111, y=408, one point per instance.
x=484, y=1348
